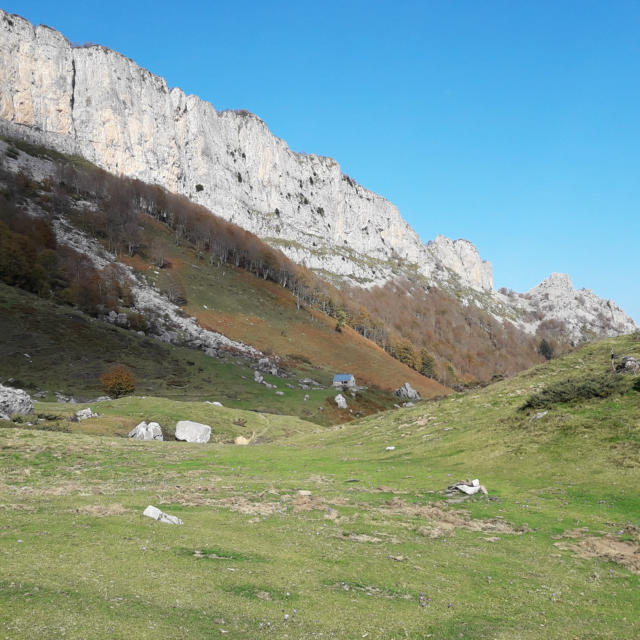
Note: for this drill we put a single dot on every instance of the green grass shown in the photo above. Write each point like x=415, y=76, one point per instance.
x=78, y=559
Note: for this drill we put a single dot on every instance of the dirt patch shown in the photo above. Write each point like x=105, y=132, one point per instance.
x=16, y=507
x=445, y=521
x=244, y=506
x=308, y=503
x=608, y=547
x=100, y=510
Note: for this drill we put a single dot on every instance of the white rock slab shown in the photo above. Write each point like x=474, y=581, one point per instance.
x=341, y=401
x=193, y=431
x=161, y=516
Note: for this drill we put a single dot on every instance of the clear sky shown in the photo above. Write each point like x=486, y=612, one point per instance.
x=514, y=124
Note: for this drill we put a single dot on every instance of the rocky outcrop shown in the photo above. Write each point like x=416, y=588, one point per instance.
x=101, y=105
x=14, y=402
x=407, y=392
x=579, y=314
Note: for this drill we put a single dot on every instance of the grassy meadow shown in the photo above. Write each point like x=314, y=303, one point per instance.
x=373, y=547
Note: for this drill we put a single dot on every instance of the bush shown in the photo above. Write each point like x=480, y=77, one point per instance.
x=545, y=349
x=596, y=386
x=118, y=381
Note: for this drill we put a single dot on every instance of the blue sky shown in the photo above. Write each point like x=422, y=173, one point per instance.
x=515, y=125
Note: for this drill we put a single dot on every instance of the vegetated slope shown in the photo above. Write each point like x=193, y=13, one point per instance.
x=187, y=245
x=377, y=550
x=49, y=347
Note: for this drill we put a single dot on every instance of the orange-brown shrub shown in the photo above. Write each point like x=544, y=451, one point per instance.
x=118, y=381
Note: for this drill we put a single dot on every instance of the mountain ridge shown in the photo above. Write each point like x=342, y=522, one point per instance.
x=97, y=103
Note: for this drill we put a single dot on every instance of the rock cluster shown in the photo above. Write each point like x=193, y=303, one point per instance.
x=406, y=392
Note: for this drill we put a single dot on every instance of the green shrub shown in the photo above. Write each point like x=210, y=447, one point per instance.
x=600, y=385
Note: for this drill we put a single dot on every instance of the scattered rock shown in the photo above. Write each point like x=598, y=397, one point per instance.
x=408, y=405
x=630, y=364
x=214, y=404
x=306, y=397
x=304, y=492
x=161, y=516
x=539, y=415
x=341, y=401
x=189, y=431
x=469, y=487
x=85, y=414
x=279, y=393
x=14, y=402
x=390, y=448
x=242, y=441
x=258, y=377
x=144, y=431
x=407, y=392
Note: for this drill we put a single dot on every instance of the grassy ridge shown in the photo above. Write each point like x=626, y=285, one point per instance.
x=352, y=558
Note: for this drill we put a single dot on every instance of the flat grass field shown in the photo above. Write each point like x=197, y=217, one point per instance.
x=376, y=550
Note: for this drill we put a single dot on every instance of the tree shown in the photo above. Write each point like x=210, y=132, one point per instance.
x=341, y=319
x=545, y=349
x=428, y=364
x=118, y=381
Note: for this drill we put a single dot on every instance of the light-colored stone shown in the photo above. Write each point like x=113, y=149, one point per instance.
x=155, y=514
x=390, y=448
x=190, y=431
x=242, y=441
x=258, y=377
x=214, y=403
x=407, y=392
x=341, y=401
x=14, y=402
x=85, y=414
x=144, y=431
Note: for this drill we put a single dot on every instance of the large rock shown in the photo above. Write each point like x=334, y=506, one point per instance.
x=193, y=431
x=407, y=392
x=14, y=402
x=144, y=431
x=85, y=414
x=341, y=401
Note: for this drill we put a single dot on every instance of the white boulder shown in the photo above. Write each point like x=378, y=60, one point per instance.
x=193, y=431
x=14, y=402
x=341, y=401
x=144, y=431
x=85, y=414
x=407, y=392
x=161, y=516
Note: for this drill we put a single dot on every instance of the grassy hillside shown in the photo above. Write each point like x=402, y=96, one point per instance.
x=378, y=550
x=50, y=347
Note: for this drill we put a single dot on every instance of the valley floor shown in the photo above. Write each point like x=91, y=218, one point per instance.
x=373, y=547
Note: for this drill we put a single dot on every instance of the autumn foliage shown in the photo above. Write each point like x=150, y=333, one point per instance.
x=118, y=381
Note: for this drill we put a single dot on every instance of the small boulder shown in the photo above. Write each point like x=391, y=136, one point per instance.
x=279, y=393
x=161, y=516
x=242, y=441
x=85, y=414
x=214, y=403
x=144, y=431
x=341, y=401
x=407, y=392
x=390, y=448
x=258, y=377
x=631, y=365
x=189, y=431
x=14, y=402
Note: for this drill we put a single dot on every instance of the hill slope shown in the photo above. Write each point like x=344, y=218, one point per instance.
x=378, y=549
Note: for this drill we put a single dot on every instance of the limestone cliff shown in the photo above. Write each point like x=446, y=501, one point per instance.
x=95, y=102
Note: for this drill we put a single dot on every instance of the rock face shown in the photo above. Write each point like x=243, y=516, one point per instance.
x=582, y=313
x=95, y=102
x=144, y=431
x=14, y=402
x=193, y=431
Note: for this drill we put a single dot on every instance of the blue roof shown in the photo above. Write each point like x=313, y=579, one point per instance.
x=342, y=377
